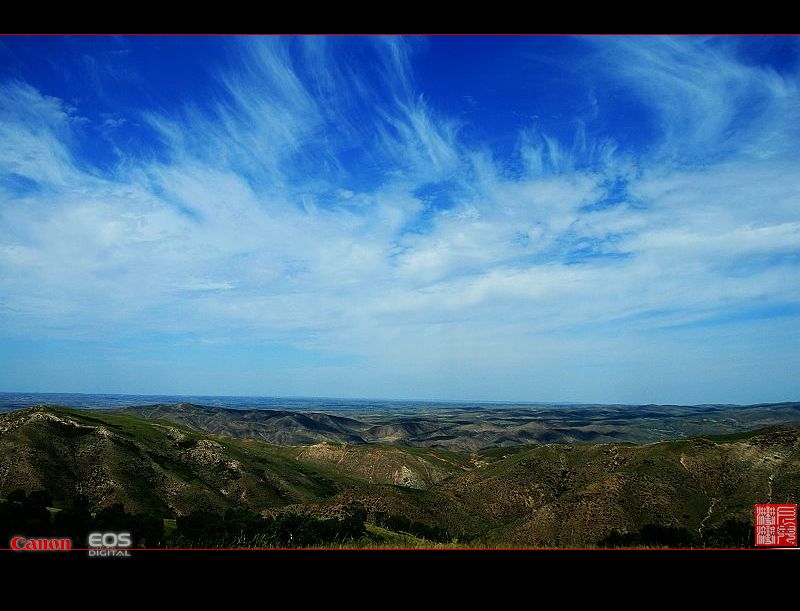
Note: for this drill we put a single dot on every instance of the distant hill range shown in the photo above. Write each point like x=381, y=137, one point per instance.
x=170, y=460
x=476, y=428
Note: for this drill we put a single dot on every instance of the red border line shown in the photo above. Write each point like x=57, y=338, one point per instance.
x=442, y=549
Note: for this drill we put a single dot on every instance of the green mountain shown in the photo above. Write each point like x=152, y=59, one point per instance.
x=561, y=495
x=170, y=469
x=473, y=428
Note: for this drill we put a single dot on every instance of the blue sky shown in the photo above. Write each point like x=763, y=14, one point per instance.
x=598, y=219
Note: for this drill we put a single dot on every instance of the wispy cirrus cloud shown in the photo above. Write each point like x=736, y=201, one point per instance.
x=319, y=201
x=707, y=98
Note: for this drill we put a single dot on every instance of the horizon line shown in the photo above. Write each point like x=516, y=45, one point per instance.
x=399, y=400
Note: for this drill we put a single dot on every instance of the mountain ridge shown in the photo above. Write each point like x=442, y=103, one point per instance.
x=554, y=494
x=468, y=429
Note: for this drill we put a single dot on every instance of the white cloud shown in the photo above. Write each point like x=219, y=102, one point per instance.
x=707, y=101
x=225, y=238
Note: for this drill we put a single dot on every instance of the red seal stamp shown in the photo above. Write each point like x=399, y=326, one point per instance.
x=776, y=525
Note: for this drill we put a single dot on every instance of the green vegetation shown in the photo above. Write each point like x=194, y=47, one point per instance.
x=31, y=515
x=475, y=429
x=243, y=528
x=651, y=535
x=731, y=533
x=171, y=485
x=405, y=526
x=740, y=435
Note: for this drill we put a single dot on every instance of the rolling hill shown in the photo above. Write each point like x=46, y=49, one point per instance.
x=473, y=428
x=555, y=494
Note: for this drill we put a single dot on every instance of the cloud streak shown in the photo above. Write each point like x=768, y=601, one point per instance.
x=331, y=208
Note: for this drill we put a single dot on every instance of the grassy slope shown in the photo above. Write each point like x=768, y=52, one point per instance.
x=571, y=495
x=472, y=429
x=161, y=467
x=557, y=494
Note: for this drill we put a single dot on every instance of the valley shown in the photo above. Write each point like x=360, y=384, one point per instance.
x=171, y=461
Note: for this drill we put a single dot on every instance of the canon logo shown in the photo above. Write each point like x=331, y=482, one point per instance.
x=23, y=544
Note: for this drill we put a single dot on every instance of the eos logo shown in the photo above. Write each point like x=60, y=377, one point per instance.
x=109, y=545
